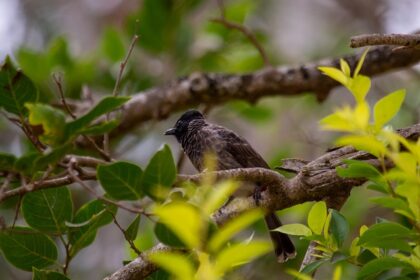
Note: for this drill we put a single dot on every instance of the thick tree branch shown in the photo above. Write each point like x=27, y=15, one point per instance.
x=216, y=88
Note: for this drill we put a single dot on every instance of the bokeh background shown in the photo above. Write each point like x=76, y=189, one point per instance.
x=85, y=40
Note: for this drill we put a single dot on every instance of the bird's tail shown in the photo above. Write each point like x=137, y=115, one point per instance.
x=283, y=246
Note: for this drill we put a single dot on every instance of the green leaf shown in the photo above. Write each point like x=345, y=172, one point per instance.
x=335, y=74
x=52, y=121
x=48, y=209
x=15, y=89
x=52, y=157
x=339, y=227
x=133, y=228
x=295, y=229
x=47, y=275
x=112, y=44
x=386, y=235
x=106, y=105
x=177, y=264
x=26, y=162
x=184, y=220
x=239, y=254
x=360, y=169
x=99, y=129
x=360, y=63
x=98, y=215
x=396, y=204
x=7, y=161
x=26, y=248
x=317, y=216
x=308, y=269
x=159, y=174
x=373, y=268
x=159, y=274
x=387, y=107
x=121, y=180
x=233, y=227
x=167, y=236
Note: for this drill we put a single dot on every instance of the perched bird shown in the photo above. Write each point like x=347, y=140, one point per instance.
x=199, y=137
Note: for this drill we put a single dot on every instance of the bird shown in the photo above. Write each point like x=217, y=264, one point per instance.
x=199, y=137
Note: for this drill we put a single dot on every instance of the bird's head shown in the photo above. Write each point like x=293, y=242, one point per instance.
x=181, y=126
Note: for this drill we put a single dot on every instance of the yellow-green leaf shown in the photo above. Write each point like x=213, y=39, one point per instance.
x=354, y=248
x=366, y=143
x=218, y=195
x=335, y=74
x=175, y=263
x=298, y=275
x=360, y=63
x=52, y=121
x=317, y=216
x=387, y=107
x=336, y=122
x=295, y=229
x=233, y=227
x=184, y=220
x=359, y=87
x=345, y=67
x=361, y=115
x=239, y=254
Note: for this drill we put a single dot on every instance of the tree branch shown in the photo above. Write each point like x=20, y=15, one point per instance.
x=217, y=88
x=404, y=40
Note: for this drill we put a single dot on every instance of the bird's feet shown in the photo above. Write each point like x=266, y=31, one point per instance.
x=257, y=195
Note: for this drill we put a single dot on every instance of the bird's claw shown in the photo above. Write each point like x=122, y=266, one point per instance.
x=257, y=195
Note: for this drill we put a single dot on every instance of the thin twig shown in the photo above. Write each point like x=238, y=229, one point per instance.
x=132, y=245
x=58, y=79
x=68, y=255
x=31, y=136
x=59, y=82
x=117, y=84
x=241, y=28
x=17, y=211
x=6, y=182
x=403, y=40
x=124, y=63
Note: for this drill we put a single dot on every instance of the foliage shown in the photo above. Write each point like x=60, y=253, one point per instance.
x=385, y=245
x=212, y=251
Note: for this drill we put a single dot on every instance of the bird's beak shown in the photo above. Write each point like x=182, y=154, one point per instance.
x=170, y=131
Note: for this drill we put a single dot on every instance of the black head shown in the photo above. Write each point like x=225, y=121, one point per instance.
x=181, y=126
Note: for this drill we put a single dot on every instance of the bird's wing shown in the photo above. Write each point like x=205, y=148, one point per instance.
x=234, y=151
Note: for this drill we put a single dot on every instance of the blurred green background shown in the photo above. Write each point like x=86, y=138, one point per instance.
x=85, y=40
